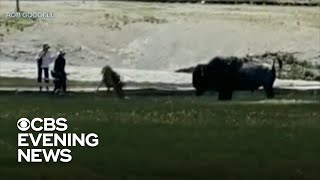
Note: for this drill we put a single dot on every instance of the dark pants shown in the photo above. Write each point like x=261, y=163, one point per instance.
x=46, y=75
x=60, y=81
x=64, y=81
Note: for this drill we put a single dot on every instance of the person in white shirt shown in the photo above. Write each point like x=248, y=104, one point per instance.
x=44, y=59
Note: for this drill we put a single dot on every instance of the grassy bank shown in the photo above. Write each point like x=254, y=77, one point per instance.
x=16, y=82
x=25, y=82
x=170, y=138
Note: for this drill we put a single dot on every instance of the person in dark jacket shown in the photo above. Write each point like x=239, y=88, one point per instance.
x=60, y=81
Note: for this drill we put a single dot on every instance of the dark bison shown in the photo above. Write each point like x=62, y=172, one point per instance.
x=227, y=74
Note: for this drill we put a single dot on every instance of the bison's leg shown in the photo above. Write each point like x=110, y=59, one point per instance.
x=221, y=95
x=229, y=95
x=199, y=92
x=225, y=95
x=269, y=91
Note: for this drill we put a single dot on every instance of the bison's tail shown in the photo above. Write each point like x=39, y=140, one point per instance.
x=273, y=66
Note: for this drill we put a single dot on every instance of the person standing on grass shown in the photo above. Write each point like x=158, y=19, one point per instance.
x=44, y=59
x=60, y=73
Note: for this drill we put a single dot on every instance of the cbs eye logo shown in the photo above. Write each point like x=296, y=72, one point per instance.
x=42, y=124
x=23, y=124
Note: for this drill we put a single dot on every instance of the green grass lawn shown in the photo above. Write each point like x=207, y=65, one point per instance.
x=170, y=138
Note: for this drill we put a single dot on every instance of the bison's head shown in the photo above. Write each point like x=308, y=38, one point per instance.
x=199, y=79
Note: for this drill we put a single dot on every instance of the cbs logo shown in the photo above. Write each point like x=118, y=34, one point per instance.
x=45, y=124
